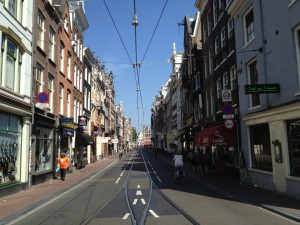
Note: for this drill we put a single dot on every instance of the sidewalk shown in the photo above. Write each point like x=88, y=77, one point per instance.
x=17, y=204
x=278, y=203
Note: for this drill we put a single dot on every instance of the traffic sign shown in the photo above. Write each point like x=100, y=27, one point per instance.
x=229, y=123
x=228, y=116
x=42, y=97
x=227, y=108
x=226, y=95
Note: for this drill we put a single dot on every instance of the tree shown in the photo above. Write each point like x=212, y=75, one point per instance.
x=134, y=135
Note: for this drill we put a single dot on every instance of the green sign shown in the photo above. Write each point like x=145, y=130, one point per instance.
x=262, y=88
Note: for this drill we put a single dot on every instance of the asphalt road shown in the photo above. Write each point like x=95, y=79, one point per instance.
x=114, y=195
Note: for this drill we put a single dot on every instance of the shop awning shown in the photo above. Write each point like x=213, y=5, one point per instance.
x=83, y=139
x=217, y=135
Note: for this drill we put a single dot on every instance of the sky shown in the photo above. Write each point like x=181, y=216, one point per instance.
x=104, y=40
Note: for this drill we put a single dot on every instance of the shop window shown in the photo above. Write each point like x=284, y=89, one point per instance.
x=293, y=129
x=10, y=139
x=43, y=151
x=260, y=147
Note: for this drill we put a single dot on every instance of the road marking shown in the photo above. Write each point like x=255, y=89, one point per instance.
x=134, y=202
x=125, y=216
x=139, y=186
x=118, y=180
x=121, y=174
x=143, y=201
x=154, y=172
x=153, y=213
x=138, y=192
x=158, y=178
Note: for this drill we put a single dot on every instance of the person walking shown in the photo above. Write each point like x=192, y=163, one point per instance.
x=63, y=162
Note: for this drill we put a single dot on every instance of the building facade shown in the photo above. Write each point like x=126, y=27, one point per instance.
x=269, y=77
x=16, y=97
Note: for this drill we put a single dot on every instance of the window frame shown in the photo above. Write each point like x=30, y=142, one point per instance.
x=51, y=44
x=253, y=97
x=17, y=59
x=50, y=90
x=61, y=99
x=40, y=30
x=249, y=30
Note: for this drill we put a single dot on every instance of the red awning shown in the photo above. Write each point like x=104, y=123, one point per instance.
x=217, y=135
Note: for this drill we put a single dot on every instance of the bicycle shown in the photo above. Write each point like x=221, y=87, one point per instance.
x=179, y=174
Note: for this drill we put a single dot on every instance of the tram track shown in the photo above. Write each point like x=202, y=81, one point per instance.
x=138, y=190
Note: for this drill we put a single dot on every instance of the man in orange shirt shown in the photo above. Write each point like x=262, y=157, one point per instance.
x=63, y=165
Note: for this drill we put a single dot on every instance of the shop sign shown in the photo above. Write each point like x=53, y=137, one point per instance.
x=262, y=88
x=67, y=126
x=82, y=120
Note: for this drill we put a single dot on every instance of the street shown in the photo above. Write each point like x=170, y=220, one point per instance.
x=139, y=189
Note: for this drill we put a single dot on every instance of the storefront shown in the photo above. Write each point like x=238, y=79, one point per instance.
x=14, y=152
x=220, y=143
x=43, y=149
x=10, y=140
x=272, y=139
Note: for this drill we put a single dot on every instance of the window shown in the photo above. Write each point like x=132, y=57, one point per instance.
x=233, y=78
x=40, y=26
x=74, y=109
x=69, y=67
x=85, y=93
x=297, y=39
x=43, y=152
x=293, y=129
x=62, y=57
x=51, y=44
x=207, y=98
x=68, y=103
x=230, y=29
x=204, y=31
x=15, y=7
x=260, y=147
x=217, y=45
x=215, y=11
x=209, y=24
x=223, y=38
x=10, y=141
x=206, y=66
x=219, y=88
x=61, y=99
x=249, y=26
x=211, y=61
x=226, y=81
x=11, y=64
x=50, y=91
x=253, y=78
x=66, y=24
x=75, y=75
x=39, y=79
x=212, y=99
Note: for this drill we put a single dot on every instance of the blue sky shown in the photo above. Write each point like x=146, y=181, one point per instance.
x=103, y=39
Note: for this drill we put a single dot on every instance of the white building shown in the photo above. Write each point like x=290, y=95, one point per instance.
x=15, y=93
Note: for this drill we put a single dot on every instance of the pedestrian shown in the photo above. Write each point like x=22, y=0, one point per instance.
x=63, y=162
x=120, y=153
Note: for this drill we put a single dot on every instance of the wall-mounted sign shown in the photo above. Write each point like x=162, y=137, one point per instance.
x=262, y=88
x=67, y=126
x=227, y=108
x=226, y=95
x=42, y=97
x=82, y=120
